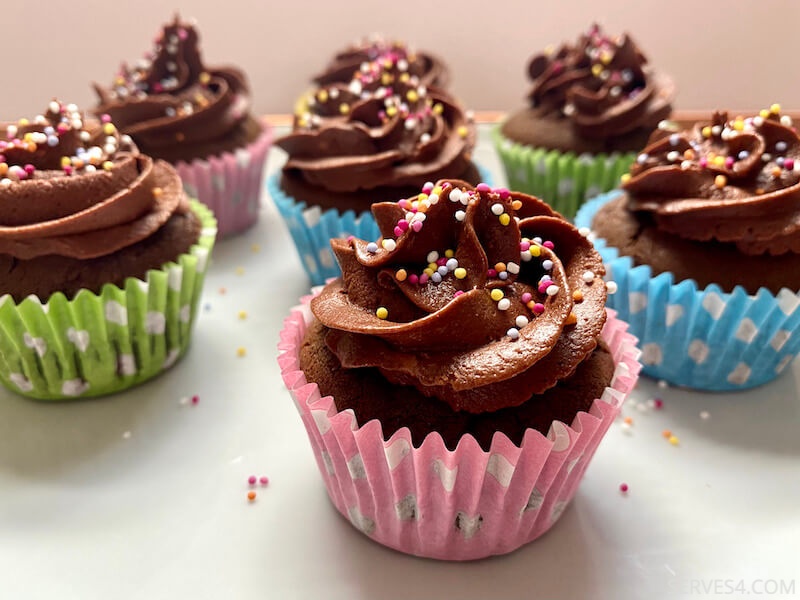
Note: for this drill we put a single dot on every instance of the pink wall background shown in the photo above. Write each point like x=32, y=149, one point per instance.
x=738, y=54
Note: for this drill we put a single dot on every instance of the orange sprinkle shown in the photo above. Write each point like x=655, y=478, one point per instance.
x=628, y=420
x=222, y=290
x=571, y=319
x=500, y=267
x=179, y=136
x=157, y=191
x=666, y=433
x=577, y=295
x=516, y=204
x=251, y=496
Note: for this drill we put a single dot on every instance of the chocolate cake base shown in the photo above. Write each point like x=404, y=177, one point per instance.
x=636, y=235
x=370, y=396
x=45, y=275
x=293, y=184
x=528, y=128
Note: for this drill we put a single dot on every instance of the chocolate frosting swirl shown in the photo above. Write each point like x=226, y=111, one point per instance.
x=171, y=104
x=602, y=86
x=79, y=190
x=382, y=128
x=731, y=180
x=427, y=67
x=478, y=297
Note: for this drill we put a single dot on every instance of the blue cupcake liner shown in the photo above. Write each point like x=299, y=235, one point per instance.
x=312, y=229
x=705, y=339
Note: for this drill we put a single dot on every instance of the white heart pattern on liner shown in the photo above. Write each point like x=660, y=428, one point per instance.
x=365, y=524
x=22, y=382
x=155, y=323
x=535, y=500
x=396, y=452
x=559, y=435
x=674, y=312
x=356, y=467
x=714, y=305
x=637, y=302
x=498, y=467
x=37, y=344
x=747, y=330
x=698, y=351
x=79, y=337
x=172, y=356
x=446, y=476
x=126, y=364
x=116, y=313
x=468, y=526
x=74, y=387
x=406, y=509
x=652, y=354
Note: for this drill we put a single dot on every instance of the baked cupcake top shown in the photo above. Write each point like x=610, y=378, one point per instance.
x=730, y=179
x=176, y=108
x=383, y=127
x=78, y=189
x=429, y=69
x=478, y=297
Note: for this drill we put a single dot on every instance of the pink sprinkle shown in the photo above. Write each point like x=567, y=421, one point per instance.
x=251, y=480
x=504, y=193
x=182, y=34
x=263, y=480
x=105, y=118
x=729, y=162
x=29, y=169
x=549, y=245
x=483, y=187
x=491, y=273
x=68, y=170
x=703, y=162
x=524, y=246
x=457, y=293
x=538, y=308
x=658, y=403
x=526, y=297
x=195, y=399
x=416, y=226
x=403, y=225
x=381, y=114
x=788, y=164
x=423, y=279
x=427, y=188
x=350, y=238
x=61, y=128
x=402, y=203
x=441, y=262
x=543, y=287
x=623, y=487
x=413, y=278
x=398, y=231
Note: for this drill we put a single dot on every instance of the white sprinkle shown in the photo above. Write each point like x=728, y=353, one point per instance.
x=642, y=158
x=389, y=245
x=455, y=195
x=513, y=333
x=433, y=198
x=333, y=93
x=85, y=136
x=460, y=214
x=758, y=121
x=786, y=121
x=551, y=290
x=512, y=268
x=526, y=256
x=436, y=277
x=611, y=287
x=372, y=247
x=521, y=321
x=410, y=123
x=503, y=275
x=443, y=270
x=662, y=384
x=673, y=156
x=547, y=264
x=766, y=157
x=686, y=164
x=641, y=407
x=584, y=231
x=5, y=182
x=433, y=256
x=425, y=138
x=705, y=415
x=674, y=139
x=126, y=435
x=716, y=130
x=588, y=276
x=54, y=107
x=504, y=304
x=451, y=264
x=497, y=209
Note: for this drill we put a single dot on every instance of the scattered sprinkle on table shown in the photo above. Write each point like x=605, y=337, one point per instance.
x=705, y=415
x=241, y=351
x=222, y=290
x=126, y=435
x=255, y=248
x=242, y=314
x=666, y=433
x=674, y=440
x=623, y=487
x=251, y=496
x=240, y=270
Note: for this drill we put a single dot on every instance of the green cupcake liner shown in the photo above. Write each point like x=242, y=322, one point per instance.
x=97, y=344
x=564, y=180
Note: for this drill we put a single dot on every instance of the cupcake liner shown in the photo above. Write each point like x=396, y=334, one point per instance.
x=706, y=339
x=312, y=228
x=464, y=504
x=229, y=184
x=99, y=344
x=564, y=180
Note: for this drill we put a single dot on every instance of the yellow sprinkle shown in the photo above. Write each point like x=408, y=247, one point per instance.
x=157, y=191
x=391, y=111
x=605, y=58
x=718, y=161
x=626, y=177
x=460, y=273
x=706, y=131
x=255, y=248
x=27, y=137
x=720, y=181
x=428, y=271
x=404, y=77
x=242, y=314
x=412, y=95
x=763, y=113
x=382, y=312
x=241, y=351
x=65, y=161
x=504, y=219
x=24, y=122
x=204, y=78
x=344, y=108
x=387, y=78
x=108, y=165
x=596, y=70
x=571, y=319
x=535, y=250
x=438, y=108
x=109, y=129
x=240, y=270
x=422, y=196
x=674, y=440
x=738, y=125
x=775, y=109
x=496, y=294
x=516, y=204
x=449, y=253
x=401, y=275
x=463, y=131
x=577, y=295
x=387, y=63
x=322, y=96
x=437, y=190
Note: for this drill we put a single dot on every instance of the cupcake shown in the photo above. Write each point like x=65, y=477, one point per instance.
x=593, y=105
x=704, y=245
x=457, y=378
x=102, y=258
x=379, y=136
x=196, y=118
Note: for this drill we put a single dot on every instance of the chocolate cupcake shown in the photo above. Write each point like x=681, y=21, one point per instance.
x=593, y=104
x=377, y=137
x=470, y=344
x=102, y=258
x=198, y=119
x=704, y=244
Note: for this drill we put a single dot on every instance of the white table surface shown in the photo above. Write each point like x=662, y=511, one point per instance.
x=142, y=496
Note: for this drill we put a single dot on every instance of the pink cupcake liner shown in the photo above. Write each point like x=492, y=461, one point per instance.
x=230, y=184
x=464, y=504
